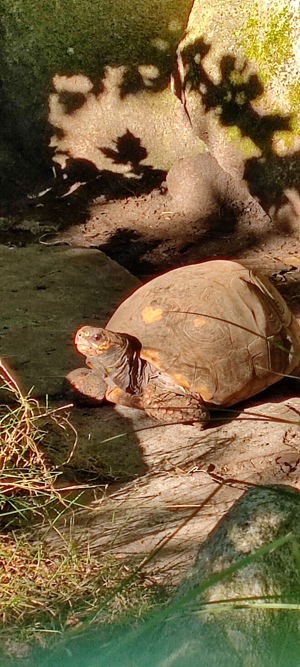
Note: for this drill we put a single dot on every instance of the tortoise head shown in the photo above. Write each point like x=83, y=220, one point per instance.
x=117, y=354
x=95, y=341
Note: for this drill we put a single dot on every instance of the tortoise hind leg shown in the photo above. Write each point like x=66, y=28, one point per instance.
x=172, y=405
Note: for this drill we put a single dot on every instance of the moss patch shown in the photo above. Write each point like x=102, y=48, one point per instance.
x=294, y=98
x=266, y=39
x=267, y=42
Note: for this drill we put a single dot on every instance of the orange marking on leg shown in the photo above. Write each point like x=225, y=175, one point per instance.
x=151, y=355
x=114, y=395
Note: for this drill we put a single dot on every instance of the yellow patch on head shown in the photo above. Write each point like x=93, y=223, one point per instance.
x=150, y=314
x=199, y=322
x=103, y=346
x=181, y=380
x=83, y=332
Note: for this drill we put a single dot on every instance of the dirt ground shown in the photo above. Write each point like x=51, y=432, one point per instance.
x=148, y=232
x=188, y=477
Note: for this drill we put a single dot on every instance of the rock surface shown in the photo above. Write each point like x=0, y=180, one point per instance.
x=185, y=471
x=145, y=132
x=243, y=627
x=205, y=192
x=176, y=469
x=101, y=73
x=238, y=67
x=46, y=294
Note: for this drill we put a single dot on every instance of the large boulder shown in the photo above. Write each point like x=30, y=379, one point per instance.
x=212, y=197
x=102, y=68
x=230, y=611
x=238, y=77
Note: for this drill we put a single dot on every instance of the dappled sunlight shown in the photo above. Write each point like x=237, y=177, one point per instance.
x=140, y=137
x=229, y=109
x=85, y=121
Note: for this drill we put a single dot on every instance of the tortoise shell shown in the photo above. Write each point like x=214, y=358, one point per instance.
x=218, y=329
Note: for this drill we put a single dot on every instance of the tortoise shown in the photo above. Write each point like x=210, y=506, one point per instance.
x=201, y=336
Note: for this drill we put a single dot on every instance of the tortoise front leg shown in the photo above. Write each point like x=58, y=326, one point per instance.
x=172, y=404
x=121, y=397
x=91, y=384
x=87, y=383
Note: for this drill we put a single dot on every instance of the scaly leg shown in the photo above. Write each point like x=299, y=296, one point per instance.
x=88, y=384
x=173, y=405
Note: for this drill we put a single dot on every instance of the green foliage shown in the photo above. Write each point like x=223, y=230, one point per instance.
x=191, y=632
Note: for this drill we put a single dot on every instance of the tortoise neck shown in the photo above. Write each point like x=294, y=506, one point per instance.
x=136, y=374
x=125, y=368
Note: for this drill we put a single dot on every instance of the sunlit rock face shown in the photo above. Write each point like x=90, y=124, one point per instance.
x=128, y=133
x=132, y=87
x=77, y=76
x=238, y=76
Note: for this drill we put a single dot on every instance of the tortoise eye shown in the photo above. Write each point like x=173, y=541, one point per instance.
x=97, y=336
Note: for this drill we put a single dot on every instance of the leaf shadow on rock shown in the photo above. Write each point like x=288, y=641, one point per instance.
x=270, y=176
x=67, y=196
x=99, y=36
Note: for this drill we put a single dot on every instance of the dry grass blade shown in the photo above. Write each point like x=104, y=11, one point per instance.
x=24, y=470
x=43, y=593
